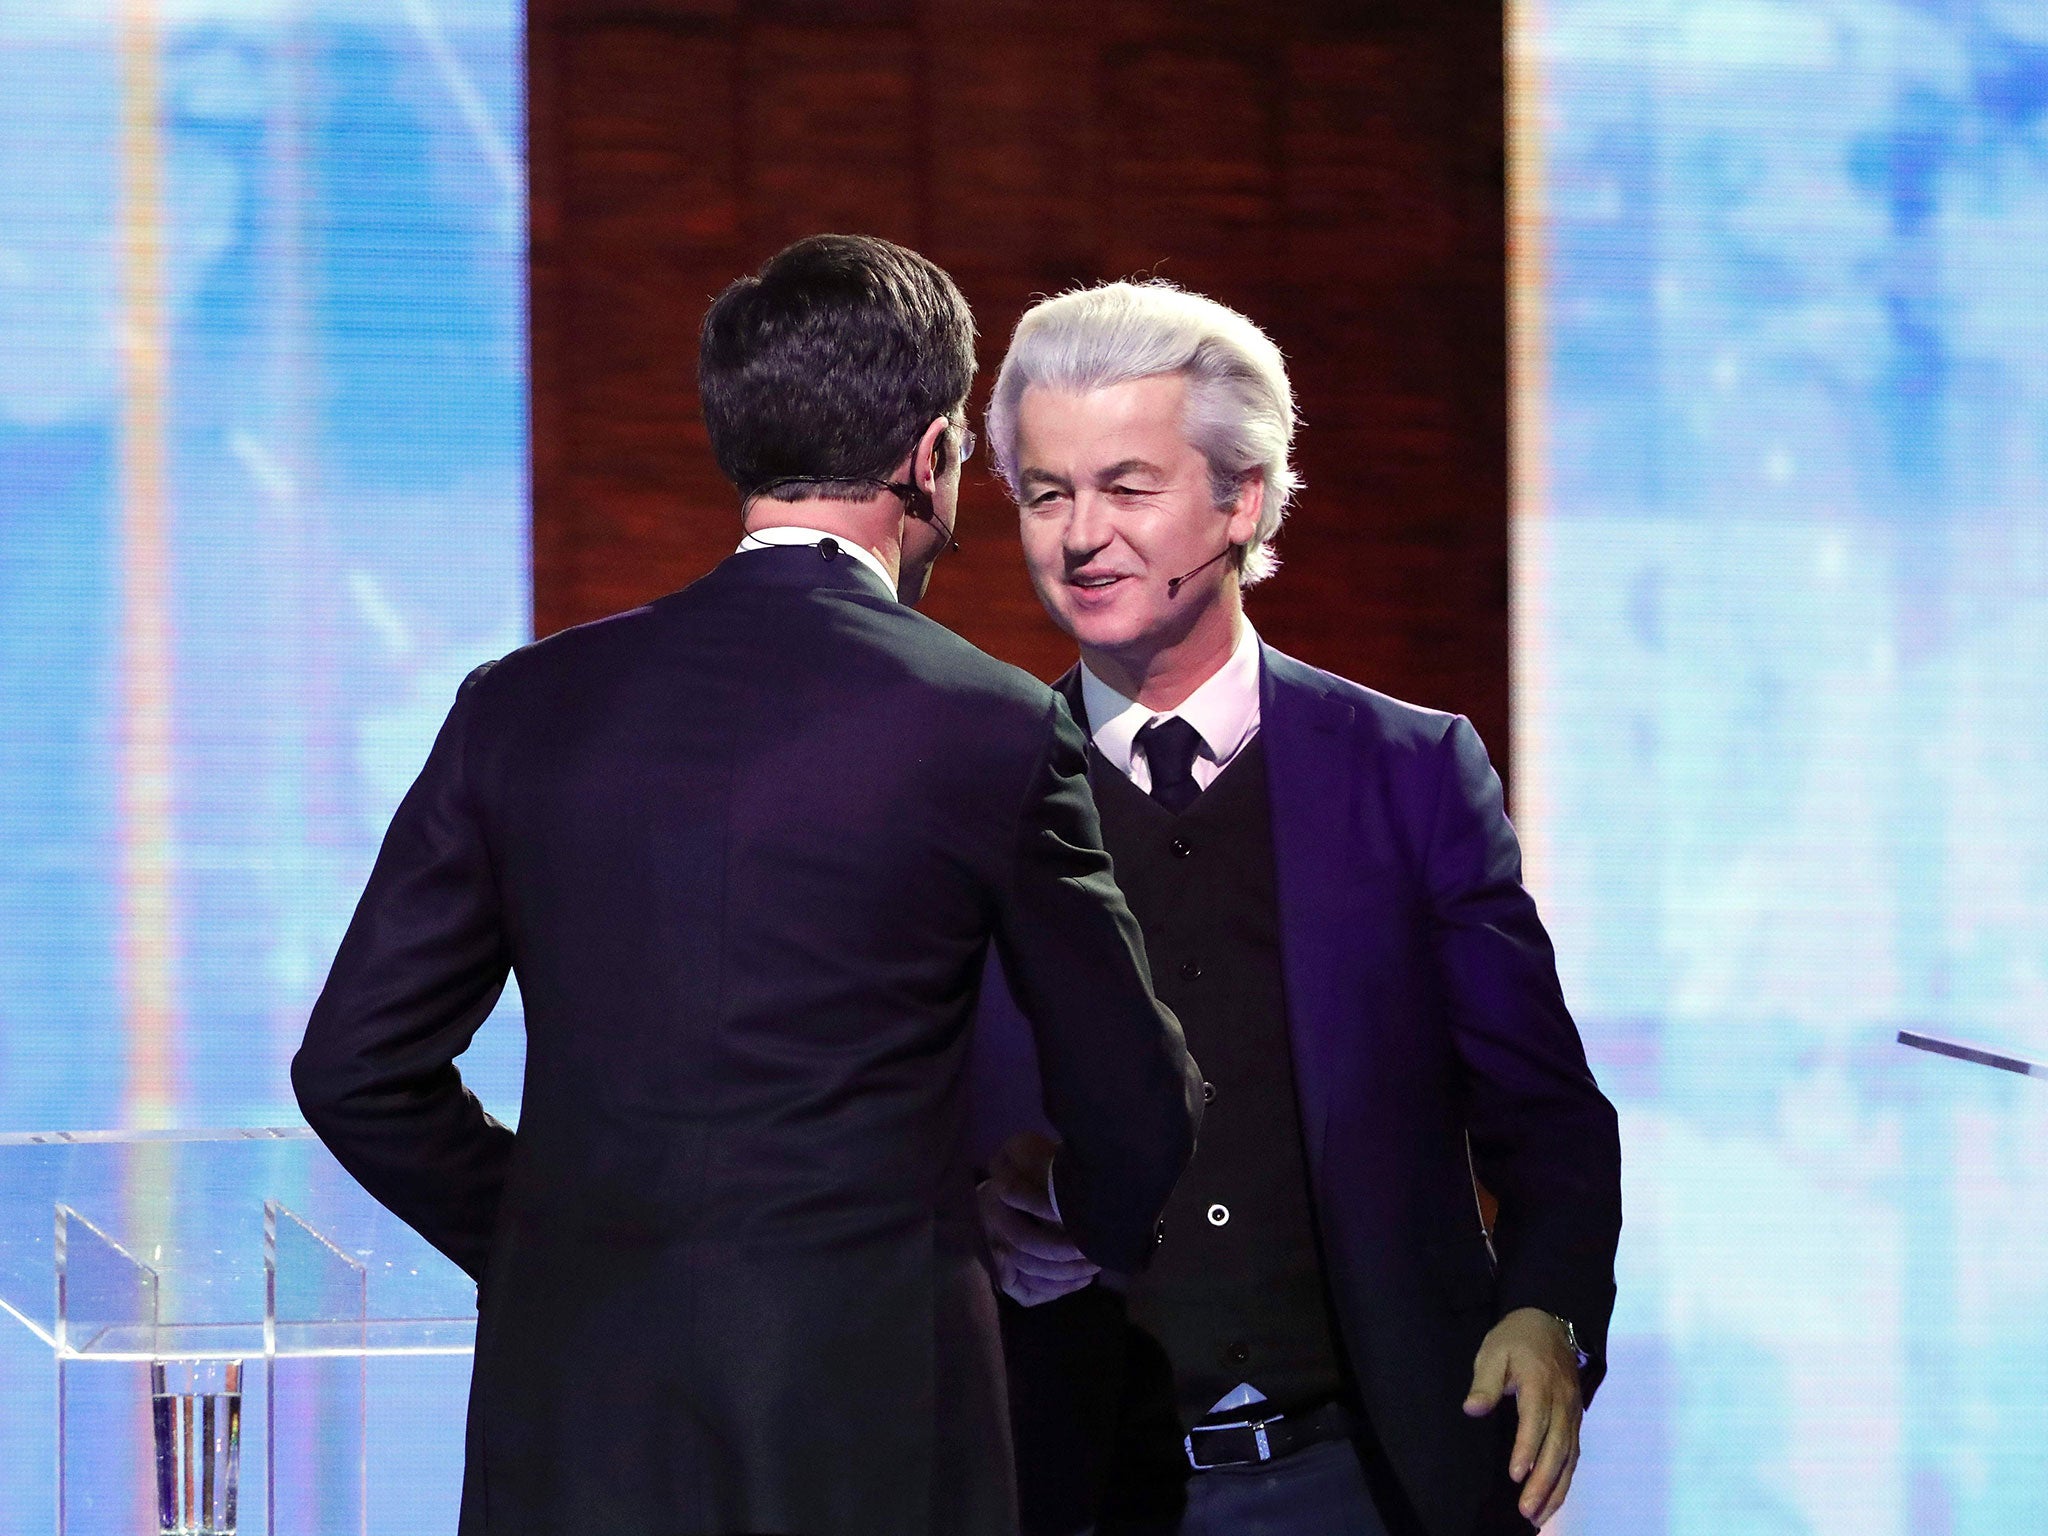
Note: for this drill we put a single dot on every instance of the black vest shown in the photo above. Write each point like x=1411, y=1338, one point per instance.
x=1235, y=1292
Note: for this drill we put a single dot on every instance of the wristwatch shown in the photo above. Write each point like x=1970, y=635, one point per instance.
x=1571, y=1339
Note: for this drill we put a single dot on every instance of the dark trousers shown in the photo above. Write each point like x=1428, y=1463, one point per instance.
x=1315, y=1492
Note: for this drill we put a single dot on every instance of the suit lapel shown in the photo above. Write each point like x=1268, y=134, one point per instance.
x=1311, y=775
x=1069, y=688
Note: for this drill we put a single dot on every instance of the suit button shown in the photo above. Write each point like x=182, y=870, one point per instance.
x=1218, y=1214
x=1208, y=1093
x=1192, y=969
x=1159, y=1231
x=1237, y=1354
x=1180, y=847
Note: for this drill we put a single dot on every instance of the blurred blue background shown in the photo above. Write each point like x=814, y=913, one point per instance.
x=263, y=502
x=1782, y=731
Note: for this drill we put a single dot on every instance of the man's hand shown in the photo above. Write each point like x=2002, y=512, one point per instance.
x=1528, y=1356
x=1034, y=1260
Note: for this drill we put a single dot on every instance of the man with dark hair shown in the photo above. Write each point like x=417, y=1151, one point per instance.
x=746, y=849
x=826, y=377
x=819, y=373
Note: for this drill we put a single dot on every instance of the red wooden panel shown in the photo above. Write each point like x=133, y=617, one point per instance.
x=1333, y=169
x=833, y=132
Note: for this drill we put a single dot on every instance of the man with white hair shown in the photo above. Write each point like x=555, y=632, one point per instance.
x=1332, y=903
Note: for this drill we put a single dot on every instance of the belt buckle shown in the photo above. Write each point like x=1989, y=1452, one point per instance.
x=1256, y=1426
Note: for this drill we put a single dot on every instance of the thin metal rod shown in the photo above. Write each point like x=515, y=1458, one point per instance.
x=186, y=1402
x=1972, y=1053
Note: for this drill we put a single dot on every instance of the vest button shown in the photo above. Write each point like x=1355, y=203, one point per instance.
x=1180, y=847
x=1208, y=1093
x=1159, y=1231
x=1237, y=1354
x=1218, y=1214
x=1191, y=969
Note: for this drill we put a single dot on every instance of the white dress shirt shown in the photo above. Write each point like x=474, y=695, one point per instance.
x=772, y=538
x=1224, y=712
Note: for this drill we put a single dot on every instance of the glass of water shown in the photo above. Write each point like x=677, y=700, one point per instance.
x=196, y=1411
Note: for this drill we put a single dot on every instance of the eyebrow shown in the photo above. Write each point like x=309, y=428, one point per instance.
x=1032, y=475
x=1124, y=467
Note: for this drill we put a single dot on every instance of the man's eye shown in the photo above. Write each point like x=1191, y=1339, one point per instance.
x=1042, y=499
x=1129, y=490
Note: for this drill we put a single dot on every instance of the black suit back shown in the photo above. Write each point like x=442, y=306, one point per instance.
x=746, y=849
x=749, y=839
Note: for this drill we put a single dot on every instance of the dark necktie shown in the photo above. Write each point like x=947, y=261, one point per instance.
x=1170, y=746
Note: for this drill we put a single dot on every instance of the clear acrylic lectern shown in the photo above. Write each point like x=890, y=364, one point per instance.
x=219, y=1331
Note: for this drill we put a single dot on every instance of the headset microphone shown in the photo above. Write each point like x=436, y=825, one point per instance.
x=917, y=503
x=1173, y=585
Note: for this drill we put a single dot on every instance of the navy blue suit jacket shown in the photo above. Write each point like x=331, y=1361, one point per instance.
x=1431, y=1043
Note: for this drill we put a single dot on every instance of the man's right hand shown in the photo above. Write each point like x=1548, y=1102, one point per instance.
x=1034, y=1259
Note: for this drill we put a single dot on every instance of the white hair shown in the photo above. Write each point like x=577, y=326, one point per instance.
x=1240, y=409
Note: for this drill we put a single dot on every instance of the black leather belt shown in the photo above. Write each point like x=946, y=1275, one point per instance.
x=1248, y=1442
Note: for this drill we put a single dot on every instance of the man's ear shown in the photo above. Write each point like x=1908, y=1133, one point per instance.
x=924, y=460
x=1251, y=501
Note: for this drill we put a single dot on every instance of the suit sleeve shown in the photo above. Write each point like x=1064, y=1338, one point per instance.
x=1119, y=1086
x=1544, y=1138
x=419, y=970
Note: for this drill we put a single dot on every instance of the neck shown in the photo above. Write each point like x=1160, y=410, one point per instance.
x=876, y=524
x=1163, y=679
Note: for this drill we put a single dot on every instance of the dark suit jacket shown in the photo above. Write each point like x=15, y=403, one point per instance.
x=1425, y=1014
x=745, y=850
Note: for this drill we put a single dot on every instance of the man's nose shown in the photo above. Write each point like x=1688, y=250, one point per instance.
x=1088, y=528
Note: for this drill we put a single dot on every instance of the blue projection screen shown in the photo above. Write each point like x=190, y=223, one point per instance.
x=1781, y=288
x=262, y=504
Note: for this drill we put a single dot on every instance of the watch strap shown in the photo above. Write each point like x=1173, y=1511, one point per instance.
x=1571, y=1340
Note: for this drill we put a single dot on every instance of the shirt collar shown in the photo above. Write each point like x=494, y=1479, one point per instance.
x=771, y=538
x=1224, y=711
